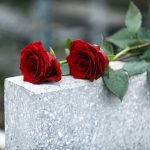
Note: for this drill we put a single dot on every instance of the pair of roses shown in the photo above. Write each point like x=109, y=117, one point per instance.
x=86, y=61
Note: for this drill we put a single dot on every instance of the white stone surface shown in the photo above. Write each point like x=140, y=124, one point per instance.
x=2, y=140
x=76, y=115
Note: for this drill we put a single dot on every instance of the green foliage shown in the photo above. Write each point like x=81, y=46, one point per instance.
x=134, y=68
x=134, y=34
x=122, y=38
x=133, y=41
x=144, y=34
x=116, y=82
x=107, y=47
x=68, y=43
x=146, y=54
x=133, y=19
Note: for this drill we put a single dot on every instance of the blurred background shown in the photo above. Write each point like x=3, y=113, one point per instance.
x=52, y=21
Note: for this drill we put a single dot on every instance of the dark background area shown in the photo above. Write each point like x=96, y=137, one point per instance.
x=52, y=21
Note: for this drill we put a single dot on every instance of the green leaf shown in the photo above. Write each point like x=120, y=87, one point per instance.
x=134, y=68
x=148, y=73
x=67, y=51
x=65, y=69
x=146, y=55
x=117, y=82
x=107, y=71
x=144, y=34
x=107, y=47
x=131, y=59
x=122, y=38
x=133, y=19
x=68, y=43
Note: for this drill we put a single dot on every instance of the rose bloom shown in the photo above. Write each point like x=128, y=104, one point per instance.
x=86, y=61
x=37, y=65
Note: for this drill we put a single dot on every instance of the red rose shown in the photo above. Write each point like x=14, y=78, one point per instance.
x=38, y=66
x=86, y=61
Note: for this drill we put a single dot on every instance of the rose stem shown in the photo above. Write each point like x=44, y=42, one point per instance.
x=128, y=56
x=128, y=49
x=62, y=62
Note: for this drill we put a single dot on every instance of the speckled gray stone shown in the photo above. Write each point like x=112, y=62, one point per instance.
x=76, y=115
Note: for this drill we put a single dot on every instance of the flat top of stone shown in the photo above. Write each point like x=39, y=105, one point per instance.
x=67, y=82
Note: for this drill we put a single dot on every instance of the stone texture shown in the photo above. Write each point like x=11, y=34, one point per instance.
x=76, y=115
x=2, y=140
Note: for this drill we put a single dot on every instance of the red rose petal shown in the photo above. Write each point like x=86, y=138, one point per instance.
x=37, y=66
x=86, y=60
